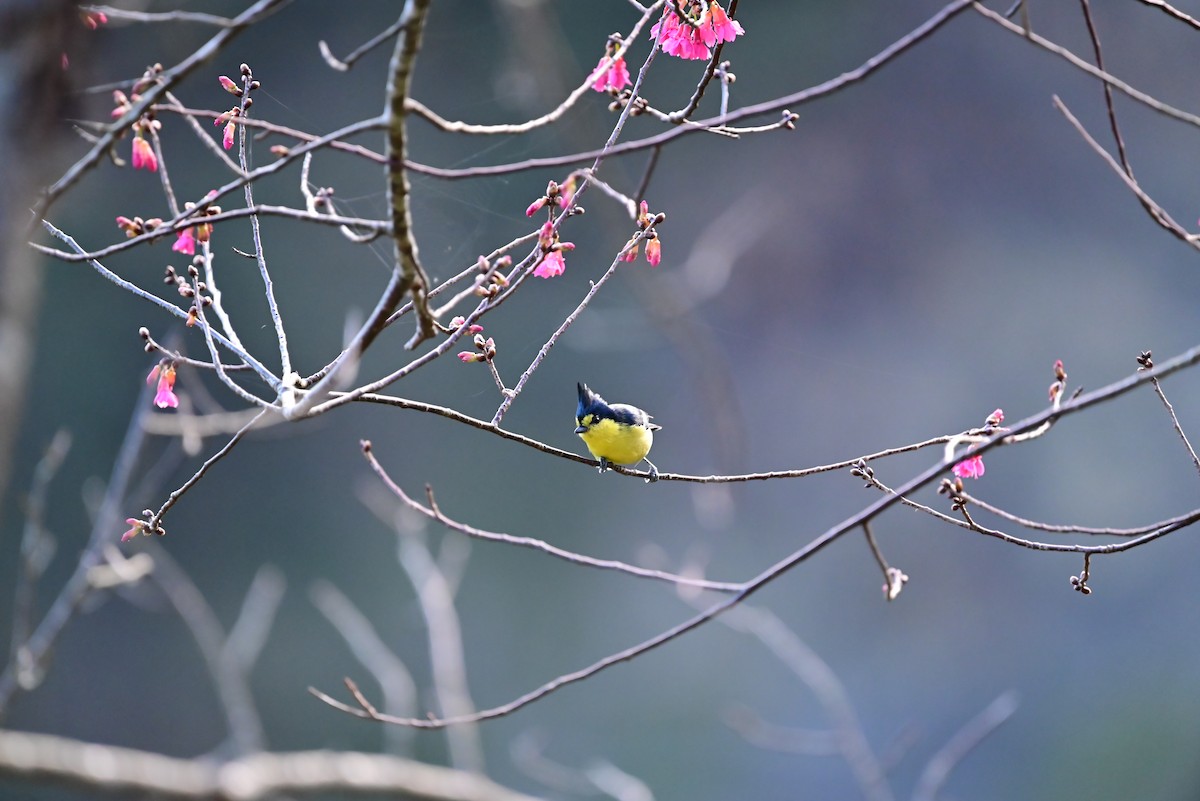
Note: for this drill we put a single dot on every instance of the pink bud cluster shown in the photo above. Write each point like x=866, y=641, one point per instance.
x=646, y=222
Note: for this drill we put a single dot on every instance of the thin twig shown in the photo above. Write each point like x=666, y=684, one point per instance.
x=1053, y=528
x=162, y=16
x=433, y=512
x=1094, y=35
x=227, y=214
x=1172, y=12
x=355, y=628
x=969, y=523
x=206, y=329
x=344, y=64
x=1175, y=422
x=156, y=519
x=420, y=109
x=1095, y=72
x=285, y=358
x=498, y=417
x=254, y=364
x=173, y=103
x=1157, y=212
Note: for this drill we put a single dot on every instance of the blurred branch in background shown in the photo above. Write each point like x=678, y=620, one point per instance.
x=35, y=38
x=111, y=769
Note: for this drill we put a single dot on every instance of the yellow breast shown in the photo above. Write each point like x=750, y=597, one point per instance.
x=620, y=444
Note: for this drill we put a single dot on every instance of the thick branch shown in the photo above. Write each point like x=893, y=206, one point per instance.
x=413, y=278
x=113, y=769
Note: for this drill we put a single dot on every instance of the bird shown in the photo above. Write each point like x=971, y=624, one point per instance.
x=615, y=433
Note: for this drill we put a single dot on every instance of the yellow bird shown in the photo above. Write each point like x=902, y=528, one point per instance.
x=615, y=433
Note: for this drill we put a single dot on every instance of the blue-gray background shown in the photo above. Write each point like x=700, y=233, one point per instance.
x=918, y=252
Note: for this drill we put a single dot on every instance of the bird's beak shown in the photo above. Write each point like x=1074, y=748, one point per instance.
x=580, y=430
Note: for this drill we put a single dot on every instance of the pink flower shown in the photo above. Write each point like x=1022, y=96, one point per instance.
x=143, y=155
x=631, y=254
x=678, y=39
x=135, y=528
x=229, y=86
x=185, y=242
x=227, y=139
x=535, y=205
x=94, y=19
x=723, y=28
x=614, y=75
x=654, y=251
x=969, y=468
x=165, y=396
x=552, y=265
x=466, y=357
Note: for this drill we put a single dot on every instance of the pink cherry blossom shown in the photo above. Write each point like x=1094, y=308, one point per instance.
x=185, y=242
x=654, y=251
x=164, y=396
x=552, y=265
x=613, y=75
x=723, y=28
x=969, y=468
x=143, y=155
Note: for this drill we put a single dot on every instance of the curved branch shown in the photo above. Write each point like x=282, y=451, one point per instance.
x=860, y=73
x=785, y=565
x=114, y=769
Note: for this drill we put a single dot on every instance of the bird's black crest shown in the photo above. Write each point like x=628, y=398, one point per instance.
x=590, y=402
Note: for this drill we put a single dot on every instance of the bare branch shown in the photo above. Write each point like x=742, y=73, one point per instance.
x=260, y=776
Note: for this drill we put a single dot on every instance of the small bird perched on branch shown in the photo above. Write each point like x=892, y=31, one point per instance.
x=615, y=433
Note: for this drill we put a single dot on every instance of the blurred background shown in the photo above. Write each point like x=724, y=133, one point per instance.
x=918, y=252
